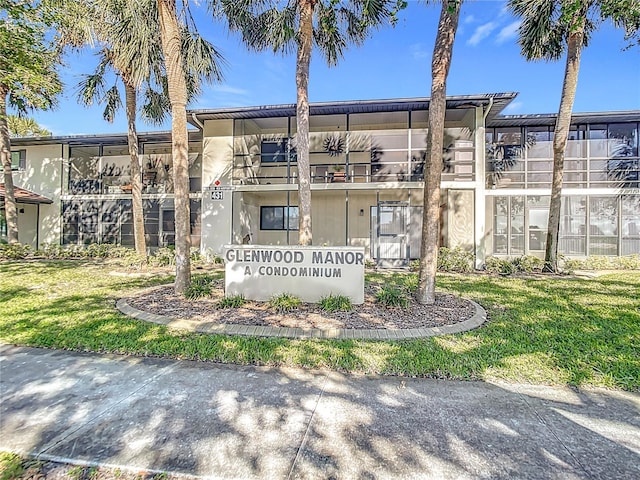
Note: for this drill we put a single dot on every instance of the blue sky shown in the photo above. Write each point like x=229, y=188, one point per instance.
x=393, y=63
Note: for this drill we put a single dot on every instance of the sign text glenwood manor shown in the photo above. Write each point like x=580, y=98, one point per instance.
x=261, y=271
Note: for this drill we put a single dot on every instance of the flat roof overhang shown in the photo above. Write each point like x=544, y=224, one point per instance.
x=106, y=138
x=25, y=196
x=549, y=119
x=496, y=101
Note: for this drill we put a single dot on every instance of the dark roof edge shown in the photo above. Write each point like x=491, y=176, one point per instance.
x=263, y=111
x=96, y=138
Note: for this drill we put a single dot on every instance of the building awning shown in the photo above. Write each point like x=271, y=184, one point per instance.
x=25, y=196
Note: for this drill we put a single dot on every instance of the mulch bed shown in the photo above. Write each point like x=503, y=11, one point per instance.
x=448, y=310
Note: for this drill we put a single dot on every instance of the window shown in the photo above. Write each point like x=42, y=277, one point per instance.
x=278, y=218
x=18, y=160
x=630, y=224
x=538, y=210
x=603, y=226
x=573, y=225
x=509, y=233
x=274, y=150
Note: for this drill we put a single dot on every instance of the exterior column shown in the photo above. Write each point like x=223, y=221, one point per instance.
x=479, y=192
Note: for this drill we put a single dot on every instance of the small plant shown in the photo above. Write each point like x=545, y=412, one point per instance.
x=98, y=250
x=455, y=260
x=14, y=251
x=284, y=303
x=75, y=473
x=163, y=257
x=410, y=282
x=233, y=301
x=368, y=263
x=392, y=296
x=528, y=264
x=11, y=466
x=334, y=303
x=503, y=266
x=132, y=260
x=414, y=265
x=200, y=287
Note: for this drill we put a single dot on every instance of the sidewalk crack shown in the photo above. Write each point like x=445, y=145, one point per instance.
x=306, y=433
x=553, y=433
x=70, y=431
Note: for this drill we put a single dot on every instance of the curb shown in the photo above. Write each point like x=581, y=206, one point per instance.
x=477, y=319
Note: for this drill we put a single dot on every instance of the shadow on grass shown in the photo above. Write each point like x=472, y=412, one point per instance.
x=552, y=331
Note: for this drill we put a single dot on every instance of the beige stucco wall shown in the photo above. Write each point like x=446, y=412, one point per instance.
x=42, y=175
x=217, y=152
x=459, y=219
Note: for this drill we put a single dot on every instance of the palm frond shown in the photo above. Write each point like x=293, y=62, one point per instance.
x=113, y=102
x=91, y=89
x=156, y=105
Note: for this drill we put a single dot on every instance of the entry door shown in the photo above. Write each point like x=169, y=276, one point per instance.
x=391, y=230
x=168, y=228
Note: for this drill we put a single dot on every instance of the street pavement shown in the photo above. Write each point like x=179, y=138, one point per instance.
x=223, y=421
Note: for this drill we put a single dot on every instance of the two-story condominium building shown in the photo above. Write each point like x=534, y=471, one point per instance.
x=367, y=162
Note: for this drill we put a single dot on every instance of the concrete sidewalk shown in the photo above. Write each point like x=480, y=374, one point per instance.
x=242, y=422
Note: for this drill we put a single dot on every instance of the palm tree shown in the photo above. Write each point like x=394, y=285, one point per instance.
x=548, y=28
x=132, y=49
x=330, y=25
x=25, y=127
x=440, y=63
x=179, y=82
x=28, y=80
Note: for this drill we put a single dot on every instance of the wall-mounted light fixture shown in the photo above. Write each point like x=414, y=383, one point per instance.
x=21, y=210
x=362, y=212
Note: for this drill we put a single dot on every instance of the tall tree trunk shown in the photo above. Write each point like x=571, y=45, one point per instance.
x=171, y=47
x=440, y=63
x=10, y=208
x=136, y=177
x=303, y=60
x=561, y=134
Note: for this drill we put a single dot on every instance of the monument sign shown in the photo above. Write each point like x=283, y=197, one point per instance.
x=261, y=271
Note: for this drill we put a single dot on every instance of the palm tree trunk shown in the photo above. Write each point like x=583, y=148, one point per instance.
x=136, y=178
x=442, y=53
x=171, y=47
x=561, y=134
x=10, y=208
x=303, y=60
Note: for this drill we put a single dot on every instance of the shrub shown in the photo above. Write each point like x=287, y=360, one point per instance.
x=528, y=264
x=600, y=262
x=163, y=257
x=131, y=259
x=503, y=266
x=285, y=302
x=334, y=303
x=455, y=260
x=414, y=265
x=233, y=301
x=392, y=296
x=14, y=251
x=368, y=263
x=98, y=250
x=200, y=287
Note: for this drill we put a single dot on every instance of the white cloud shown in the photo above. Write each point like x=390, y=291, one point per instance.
x=419, y=51
x=482, y=32
x=513, y=107
x=509, y=32
x=469, y=19
x=229, y=89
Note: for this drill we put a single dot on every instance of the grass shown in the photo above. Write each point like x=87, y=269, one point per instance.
x=548, y=330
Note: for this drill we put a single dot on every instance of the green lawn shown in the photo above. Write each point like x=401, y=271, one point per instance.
x=541, y=330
